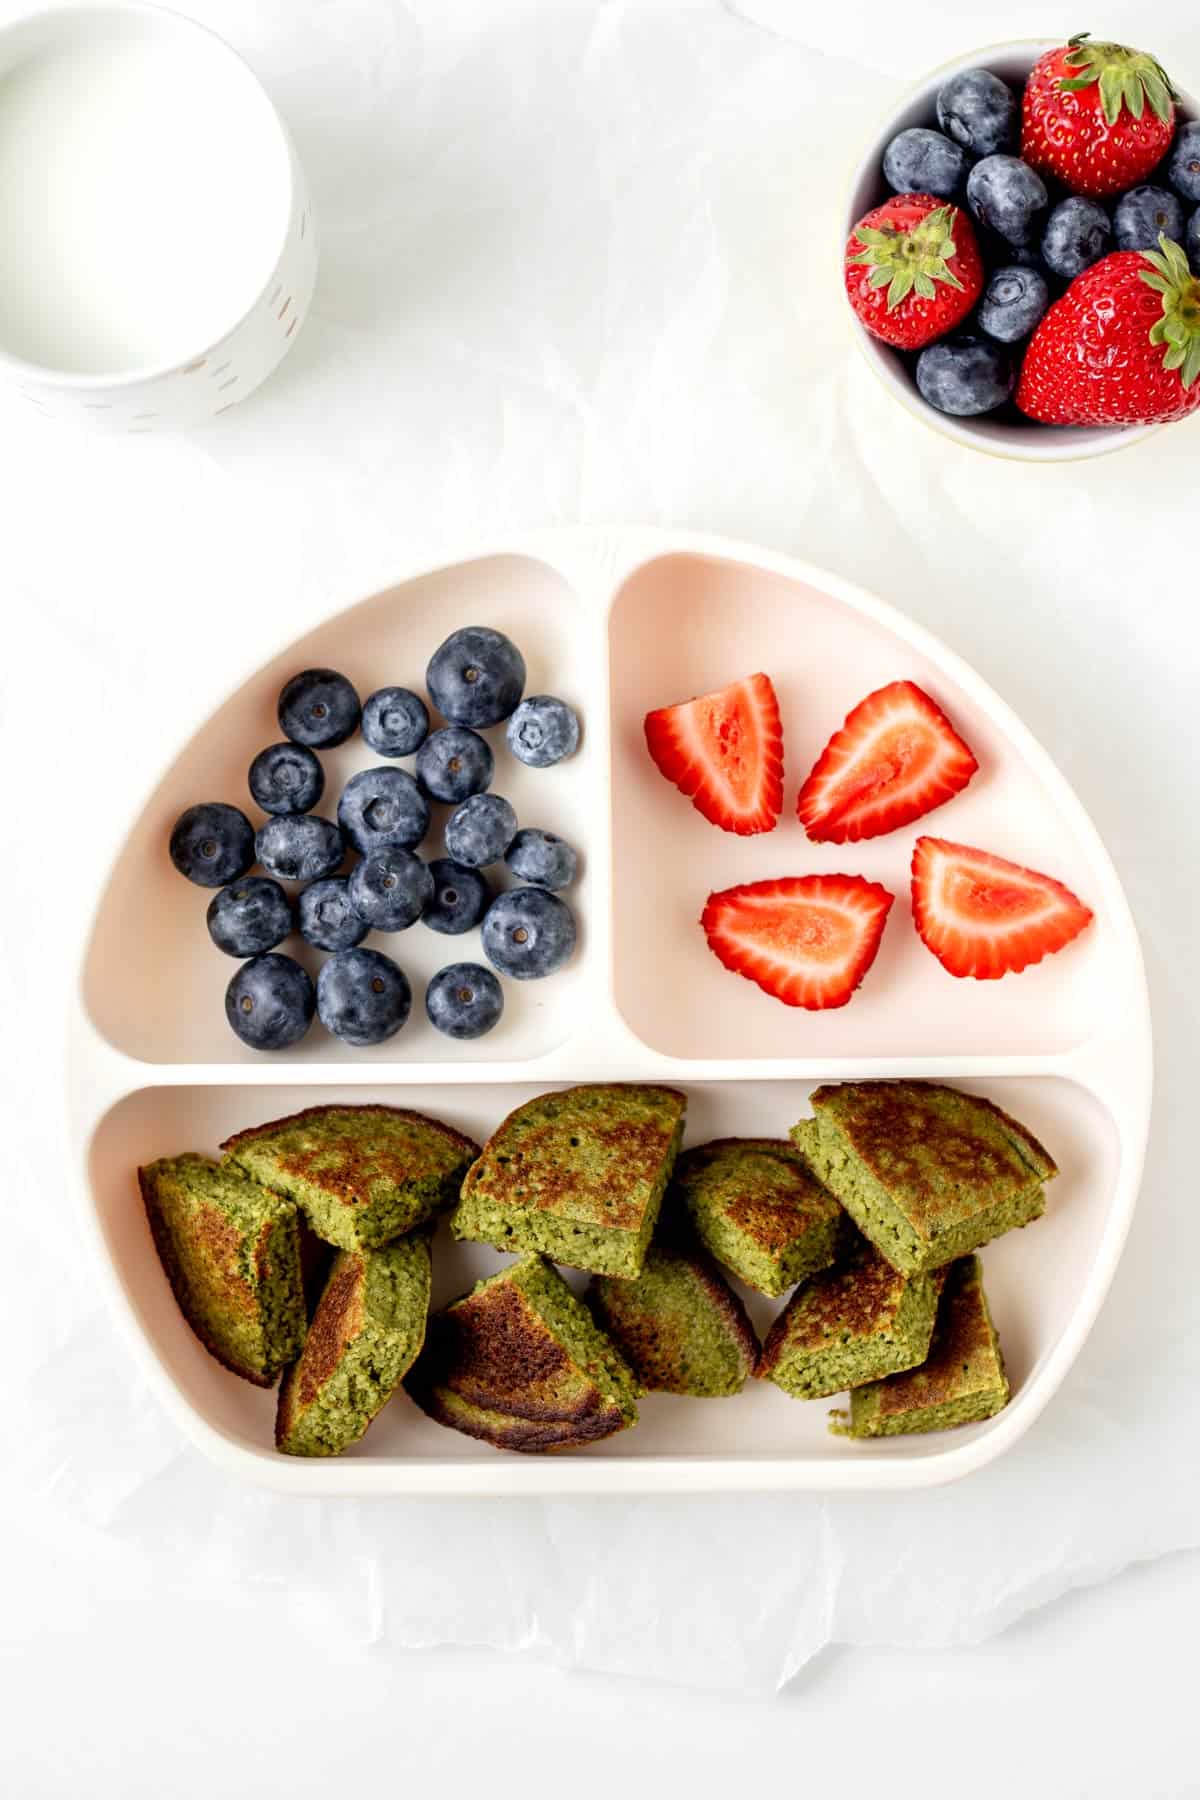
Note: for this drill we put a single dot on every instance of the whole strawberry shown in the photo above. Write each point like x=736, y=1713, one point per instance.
x=1122, y=346
x=913, y=269
x=1098, y=116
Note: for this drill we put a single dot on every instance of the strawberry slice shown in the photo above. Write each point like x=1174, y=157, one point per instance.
x=985, y=917
x=807, y=939
x=725, y=752
x=896, y=757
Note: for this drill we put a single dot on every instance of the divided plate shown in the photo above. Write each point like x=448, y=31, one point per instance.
x=617, y=622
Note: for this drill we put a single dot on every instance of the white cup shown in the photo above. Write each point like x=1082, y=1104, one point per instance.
x=158, y=250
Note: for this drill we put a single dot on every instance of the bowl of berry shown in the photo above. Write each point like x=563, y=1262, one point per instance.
x=1022, y=250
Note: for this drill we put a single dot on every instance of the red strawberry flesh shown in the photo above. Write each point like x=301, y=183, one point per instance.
x=912, y=269
x=1097, y=116
x=725, y=752
x=896, y=757
x=985, y=917
x=807, y=940
x=1121, y=347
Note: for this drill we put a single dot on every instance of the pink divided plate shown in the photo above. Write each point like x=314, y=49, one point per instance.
x=618, y=622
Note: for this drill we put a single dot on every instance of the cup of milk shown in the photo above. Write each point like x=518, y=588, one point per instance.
x=158, y=244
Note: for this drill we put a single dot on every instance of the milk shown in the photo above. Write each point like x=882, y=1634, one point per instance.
x=143, y=196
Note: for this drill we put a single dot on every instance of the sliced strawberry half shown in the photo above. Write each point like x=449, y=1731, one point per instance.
x=985, y=917
x=725, y=752
x=896, y=757
x=807, y=939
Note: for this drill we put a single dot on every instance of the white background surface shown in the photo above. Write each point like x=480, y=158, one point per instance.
x=578, y=265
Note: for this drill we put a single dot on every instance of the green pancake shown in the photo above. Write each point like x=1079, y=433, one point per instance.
x=756, y=1207
x=578, y=1176
x=926, y=1172
x=521, y=1364
x=231, y=1252
x=365, y=1334
x=961, y=1381
x=679, y=1325
x=362, y=1175
x=850, y=1324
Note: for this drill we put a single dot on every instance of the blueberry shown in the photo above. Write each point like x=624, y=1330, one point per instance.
x=328, y=920
x=965, y=376
x=528, y=933
x=461, y=896
x=542, y=731
x=541, y=859
x=920, y=161
x=362, y=996
x=249, y=917
x=383, y=806
x=1013, y=302
x=1006, y=194
x=395, y=721
x=1183, y=164
x=1018, y=256
x=453, y=764
x=998, y=253
x=1143, y=213
x=286, y=778
x=979, y=111
x=270, y=1002
x=299, y=847
x=212, y=844
x=1076, y=236
x=464, y=1000
x=318, y=708
x=1191, y=241
x=476, y=677
x=391, y=888
x=480, y=830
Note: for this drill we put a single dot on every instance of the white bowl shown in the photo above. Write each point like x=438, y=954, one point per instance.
x=619, y=620
x=157, y=249
x=1022, y=442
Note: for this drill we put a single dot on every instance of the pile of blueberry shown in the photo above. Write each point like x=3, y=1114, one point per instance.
x=1035, y=235
x=475, y=679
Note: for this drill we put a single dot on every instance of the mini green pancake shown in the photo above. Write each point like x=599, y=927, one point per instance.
x=231, y=1252
x=926, y=1172
x=578, y=1176
x=679, y=1325
x=365, y=1335
x=520, y=1363
x=362, y=1175
x=961, y=1381
x=850, y=1324
x=755, y=1205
